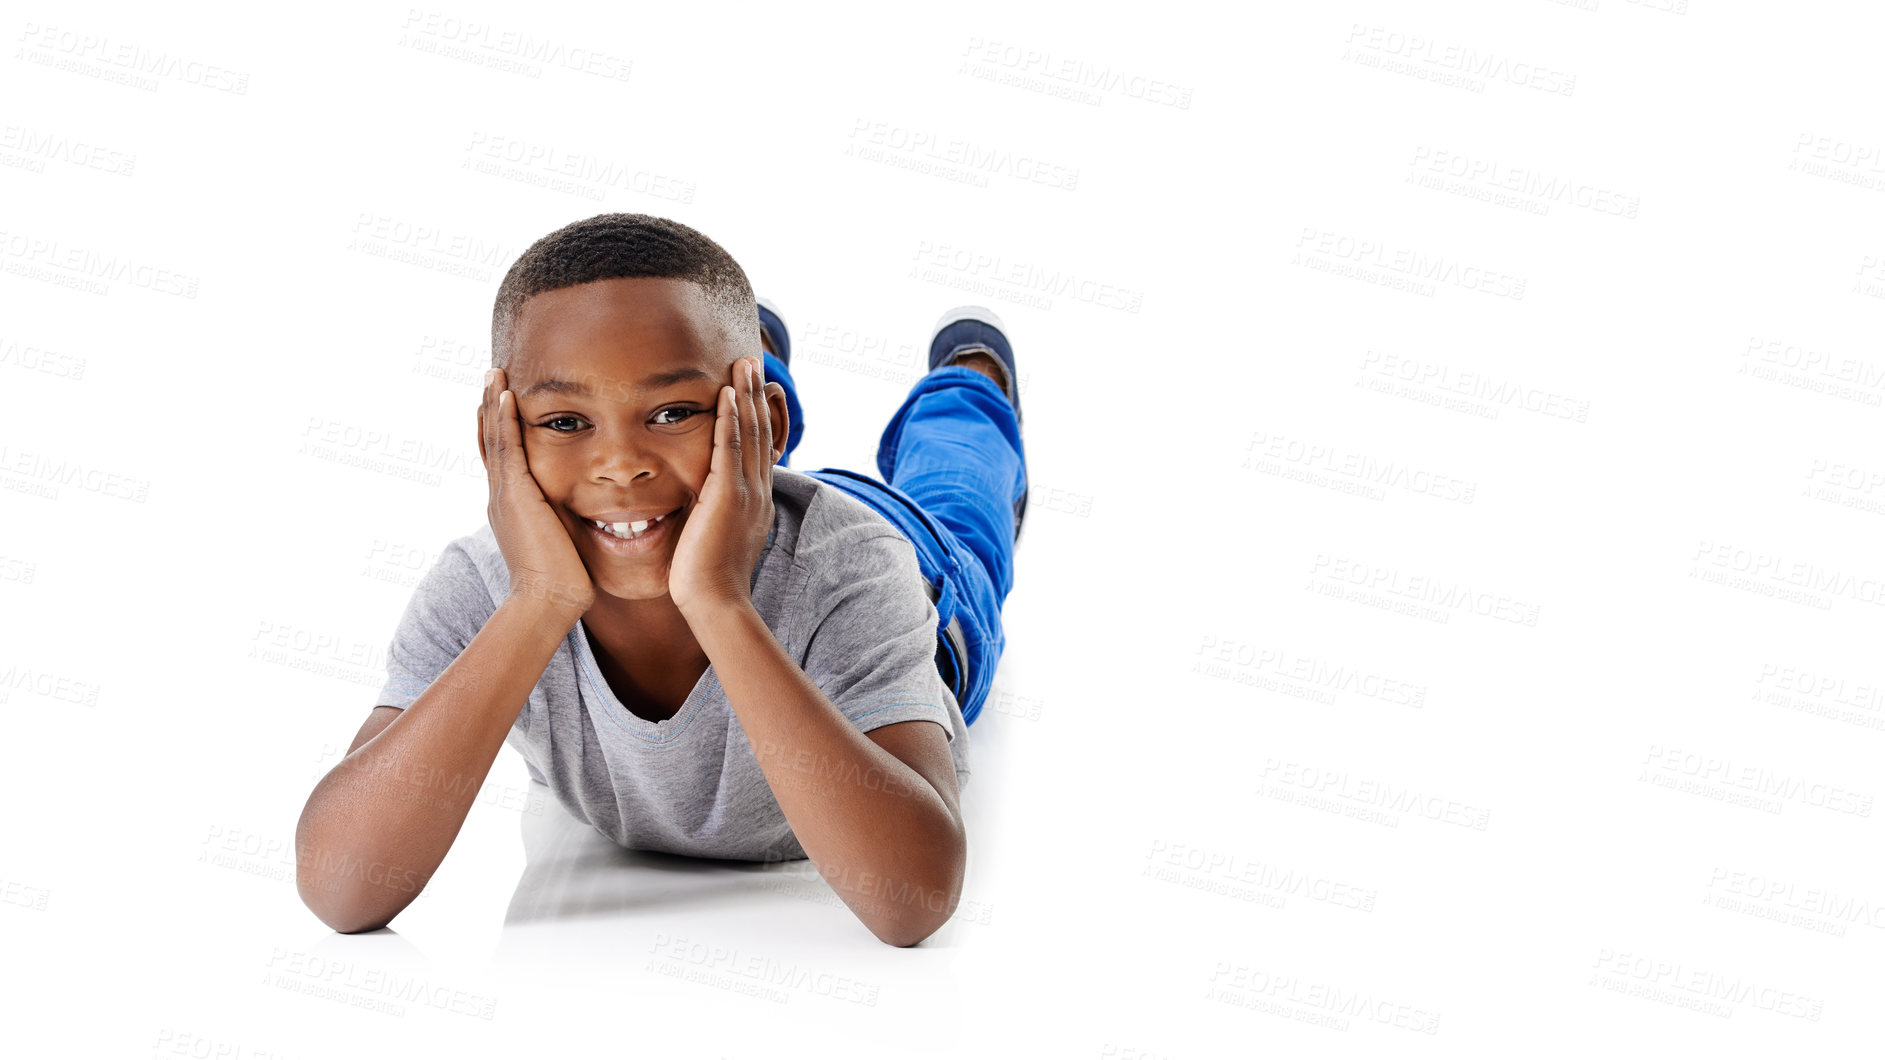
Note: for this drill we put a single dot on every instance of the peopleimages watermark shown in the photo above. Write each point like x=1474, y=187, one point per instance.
x=42, y=474
x=1454, y=64
x=85, y=269
x=1401, y=268
x=109, y=58
x=509, y=50
x=373, y=989
x=1834, y=697
x=427, y=246
x=178, y=1042
x=1478, y=393
x=16, y=569
x=951, y=157
x=1317, y=1003
x=1842, y=152
x=1043, y=70
x=24, y=895
x=38, y=359
x=15, y=677
x=1014, y=280
x=1825, y=910
x=1802, y=367
x=1772, y=574
x=578, y=173
x=1744, y=783
x=753, y=974
x=1675, y=983
x=1522, y=188
x=1296, y=674
x=1272, y=453
x=370, y=448
x=31, y=149
x=1290, y=780
x=398, y=563
x=1438, y=595
x=1847, y=485
x=1231, y=875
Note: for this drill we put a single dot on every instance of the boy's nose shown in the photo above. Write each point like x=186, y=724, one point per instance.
x=623, y=460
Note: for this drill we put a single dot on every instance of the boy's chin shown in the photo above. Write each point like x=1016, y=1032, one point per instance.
x=634, y=588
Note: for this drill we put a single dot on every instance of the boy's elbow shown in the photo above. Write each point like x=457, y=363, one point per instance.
x=918, y=912
x=351, y=921
x=345, y=920
x=355, y=927
x=907, y=931
x=346, y=914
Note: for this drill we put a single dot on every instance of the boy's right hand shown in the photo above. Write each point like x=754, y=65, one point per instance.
x=543, y=561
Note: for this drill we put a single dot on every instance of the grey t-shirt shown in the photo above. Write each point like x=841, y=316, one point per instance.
x=839, y=587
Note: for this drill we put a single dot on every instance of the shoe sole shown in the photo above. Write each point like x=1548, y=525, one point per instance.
x=968, y=312
x=767, y=304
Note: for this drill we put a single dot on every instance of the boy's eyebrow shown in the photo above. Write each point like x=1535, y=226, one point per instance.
x=654, y=382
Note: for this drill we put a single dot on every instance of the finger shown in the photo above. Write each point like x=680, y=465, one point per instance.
x=726, y=438
x=512, y=465
x=487, y=424
x=749, y=421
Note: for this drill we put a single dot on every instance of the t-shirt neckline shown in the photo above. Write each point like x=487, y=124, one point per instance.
x=615, y=712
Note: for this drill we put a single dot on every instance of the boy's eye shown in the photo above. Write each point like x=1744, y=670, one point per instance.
x=681, y=415
x=677, y=415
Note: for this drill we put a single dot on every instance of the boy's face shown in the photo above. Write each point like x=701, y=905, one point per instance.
x=627, y=424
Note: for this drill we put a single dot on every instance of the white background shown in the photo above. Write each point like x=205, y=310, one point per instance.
x=1447, y=620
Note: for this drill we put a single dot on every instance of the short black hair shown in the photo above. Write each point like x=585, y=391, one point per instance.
x=615, y=245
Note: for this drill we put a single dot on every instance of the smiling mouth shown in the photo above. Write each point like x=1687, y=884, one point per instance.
x=631, y=531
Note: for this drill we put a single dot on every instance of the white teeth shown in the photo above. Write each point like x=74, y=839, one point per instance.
x=628, y=531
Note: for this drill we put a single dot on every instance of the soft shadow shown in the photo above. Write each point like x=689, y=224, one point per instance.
x=571, y=870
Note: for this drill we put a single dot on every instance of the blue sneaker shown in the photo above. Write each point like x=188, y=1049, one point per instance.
x=774, y=326
x=976, y=329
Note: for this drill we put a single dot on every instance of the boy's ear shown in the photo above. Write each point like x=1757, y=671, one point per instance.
x=781, y=419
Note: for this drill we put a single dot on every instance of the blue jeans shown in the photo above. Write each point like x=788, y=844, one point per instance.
x=953, y=469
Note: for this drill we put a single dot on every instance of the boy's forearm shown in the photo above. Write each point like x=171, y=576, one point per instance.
x=879, y=833
x=382, y=820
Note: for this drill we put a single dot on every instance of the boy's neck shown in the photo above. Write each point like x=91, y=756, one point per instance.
x=643, y=634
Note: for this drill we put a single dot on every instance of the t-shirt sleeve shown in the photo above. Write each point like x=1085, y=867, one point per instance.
x=873, y=650
x=448, y=607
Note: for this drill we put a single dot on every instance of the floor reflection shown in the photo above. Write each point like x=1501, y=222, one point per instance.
x=572, y=870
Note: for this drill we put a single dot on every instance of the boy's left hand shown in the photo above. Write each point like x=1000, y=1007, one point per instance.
x=725, y=533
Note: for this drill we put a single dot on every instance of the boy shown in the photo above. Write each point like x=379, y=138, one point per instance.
x=697, y=648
